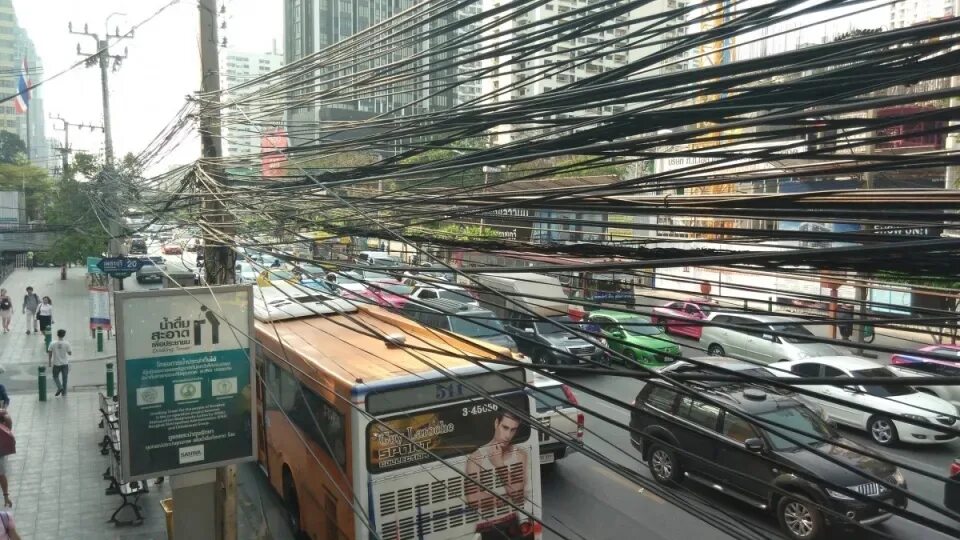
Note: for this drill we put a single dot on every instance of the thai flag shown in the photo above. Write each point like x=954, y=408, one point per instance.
x=22, y=100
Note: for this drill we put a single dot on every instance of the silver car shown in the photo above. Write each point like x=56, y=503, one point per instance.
x=755, y=337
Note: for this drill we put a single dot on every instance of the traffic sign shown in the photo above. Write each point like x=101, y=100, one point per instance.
x=119, y=265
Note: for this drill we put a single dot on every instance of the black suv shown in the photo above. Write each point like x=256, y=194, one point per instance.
x=683, y=437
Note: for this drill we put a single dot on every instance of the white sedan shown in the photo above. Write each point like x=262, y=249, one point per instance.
x=447, y=292
x=894, y=398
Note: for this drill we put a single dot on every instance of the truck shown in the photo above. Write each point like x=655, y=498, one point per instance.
x=537, y=315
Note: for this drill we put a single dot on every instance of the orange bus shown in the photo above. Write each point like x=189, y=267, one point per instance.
x=365, y=434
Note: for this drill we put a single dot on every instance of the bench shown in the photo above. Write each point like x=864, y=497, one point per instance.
x=129, y=492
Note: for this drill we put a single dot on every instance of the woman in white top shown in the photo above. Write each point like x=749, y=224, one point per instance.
x=45, y=315
x=6, y=310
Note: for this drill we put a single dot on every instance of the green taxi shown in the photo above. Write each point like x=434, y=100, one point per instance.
x=633, y=336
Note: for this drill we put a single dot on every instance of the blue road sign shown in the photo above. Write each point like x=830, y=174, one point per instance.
x=119, y=265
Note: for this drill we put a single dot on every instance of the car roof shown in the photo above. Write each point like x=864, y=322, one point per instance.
x=758, y=317
x=448, y=306
x=845, y=362
x=617, y=315
x=734, y=396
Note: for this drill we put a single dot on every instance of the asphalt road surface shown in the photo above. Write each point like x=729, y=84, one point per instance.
x=583, y=499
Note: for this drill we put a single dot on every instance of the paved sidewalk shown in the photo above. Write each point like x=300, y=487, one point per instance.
x=58, y=492
x=55, y=476
x=21, y=354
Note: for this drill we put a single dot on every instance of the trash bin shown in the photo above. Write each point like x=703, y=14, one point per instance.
x=167, y=505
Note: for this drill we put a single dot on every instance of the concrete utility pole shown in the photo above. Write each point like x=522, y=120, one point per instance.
x=65, y=149
x=102, y=57
x=952, y=176
x=205, y=501
x=863, y=286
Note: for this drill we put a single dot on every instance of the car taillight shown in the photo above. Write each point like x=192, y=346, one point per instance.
x=568, y=393
x=896, y=360
x=955, y=469
x=580, y=421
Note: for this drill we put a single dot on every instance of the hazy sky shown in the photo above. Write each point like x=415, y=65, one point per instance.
x=163, y=65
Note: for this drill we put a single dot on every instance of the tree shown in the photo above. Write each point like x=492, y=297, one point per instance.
x=33, y=181
x=12, y=148
x=77, y=208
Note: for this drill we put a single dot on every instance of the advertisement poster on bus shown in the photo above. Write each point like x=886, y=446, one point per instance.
x=476, y=439
x=185, y=374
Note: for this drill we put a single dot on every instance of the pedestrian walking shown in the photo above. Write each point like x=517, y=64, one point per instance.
x=29, y=260
x=58, y=356
x=8, y=446
x=31, y=303
x=7, y=528
x=6, y=310
x=45, y=315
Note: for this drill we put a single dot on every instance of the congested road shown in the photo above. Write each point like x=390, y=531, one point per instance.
x=582, y=497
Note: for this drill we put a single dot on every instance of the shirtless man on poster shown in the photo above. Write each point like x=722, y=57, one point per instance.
x=500, y=457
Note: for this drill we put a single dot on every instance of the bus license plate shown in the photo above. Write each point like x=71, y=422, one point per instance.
x=547, y=458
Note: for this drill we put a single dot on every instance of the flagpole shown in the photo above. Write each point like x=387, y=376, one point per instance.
x=29, y=155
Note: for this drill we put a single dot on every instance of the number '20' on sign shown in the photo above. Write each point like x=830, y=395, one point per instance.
x=449, y=390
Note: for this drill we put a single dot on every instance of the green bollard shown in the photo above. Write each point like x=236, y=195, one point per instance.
x=99, y=339
x=42, y=382
x=47, y=338
x=109, y=379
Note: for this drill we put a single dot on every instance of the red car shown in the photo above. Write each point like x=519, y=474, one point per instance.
x=672, y=315
x=172, y=249
x=382, y=294
x=945, y=353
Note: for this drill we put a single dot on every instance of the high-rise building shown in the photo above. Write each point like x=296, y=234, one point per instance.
x=313, y=25
x=236, y=67
x=15, y=46
x=911, y=12
x=610, y=47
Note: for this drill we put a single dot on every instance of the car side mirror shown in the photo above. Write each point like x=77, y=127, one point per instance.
x=528, y=330
x=754, y=445
x=770, y=337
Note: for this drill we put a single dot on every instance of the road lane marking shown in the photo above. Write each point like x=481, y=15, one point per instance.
x=629, y=484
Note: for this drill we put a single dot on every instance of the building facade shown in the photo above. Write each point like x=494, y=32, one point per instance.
x=311, y=26
x=911, y=12
x=15, y=45
x=560, y=64
x=243, y=135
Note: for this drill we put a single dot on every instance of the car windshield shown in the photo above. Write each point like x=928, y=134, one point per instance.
x=457, y=296
x=313, y=271
x=399, y=290
x=640, y=326
x=798, y=426
x=955, y=353
x=558, y=326
x=476, y=326
x=883, y=390
x=377, y=276
x=793, y=328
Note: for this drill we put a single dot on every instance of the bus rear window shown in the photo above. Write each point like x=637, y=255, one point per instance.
x=442, y=390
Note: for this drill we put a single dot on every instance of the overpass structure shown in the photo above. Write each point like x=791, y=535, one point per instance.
x=26, y=238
